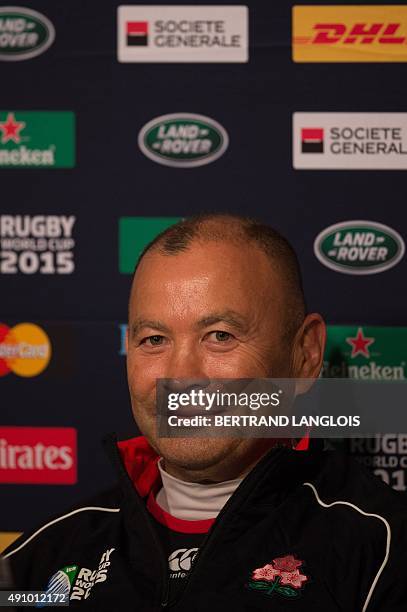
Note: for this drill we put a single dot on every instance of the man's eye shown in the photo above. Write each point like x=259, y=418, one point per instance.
x=220, y=336
x=153, y=340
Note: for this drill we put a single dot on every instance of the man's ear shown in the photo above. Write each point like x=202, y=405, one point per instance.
x=127, y=339
x=308, y=352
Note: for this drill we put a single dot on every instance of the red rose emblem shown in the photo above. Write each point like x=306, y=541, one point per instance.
x=281, y=576
x=287, y=564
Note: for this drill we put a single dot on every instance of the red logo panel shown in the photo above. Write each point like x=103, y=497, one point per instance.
x=38, y=455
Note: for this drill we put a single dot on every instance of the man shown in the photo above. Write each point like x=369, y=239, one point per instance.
x=223, y=523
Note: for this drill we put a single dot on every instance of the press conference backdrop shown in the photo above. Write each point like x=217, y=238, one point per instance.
x=115, y=122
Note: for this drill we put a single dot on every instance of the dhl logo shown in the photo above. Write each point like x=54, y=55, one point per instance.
x=331, y=33
x=350, y=33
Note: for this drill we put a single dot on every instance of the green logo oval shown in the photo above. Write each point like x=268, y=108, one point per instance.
x=183, y=140
x=24, y=33
x=359, y=247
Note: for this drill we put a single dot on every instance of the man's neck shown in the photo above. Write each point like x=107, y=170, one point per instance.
x=193, y=501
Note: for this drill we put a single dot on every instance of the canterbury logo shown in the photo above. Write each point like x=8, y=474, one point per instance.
x=181, y=559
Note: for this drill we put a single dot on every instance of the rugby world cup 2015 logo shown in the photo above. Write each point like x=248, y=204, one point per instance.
x=75, y=582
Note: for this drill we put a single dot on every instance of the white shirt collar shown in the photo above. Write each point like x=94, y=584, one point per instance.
x=193, y=501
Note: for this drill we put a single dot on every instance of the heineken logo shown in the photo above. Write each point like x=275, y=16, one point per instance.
x=360, y=344
x=24, y=33
x=10, y=129
x=37, y=139
x=359, y=247
x=183, y=140
x=366, y=353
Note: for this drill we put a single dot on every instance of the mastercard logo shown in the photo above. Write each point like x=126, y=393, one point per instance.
x=25, y=349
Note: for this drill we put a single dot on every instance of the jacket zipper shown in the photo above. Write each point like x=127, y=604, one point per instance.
x=144, y=512
x=251, y=481
x=238, y=495
x=159, y=548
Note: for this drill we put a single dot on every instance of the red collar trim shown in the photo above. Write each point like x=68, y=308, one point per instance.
x=174, y=523
x=140, y=461
x=303, y=444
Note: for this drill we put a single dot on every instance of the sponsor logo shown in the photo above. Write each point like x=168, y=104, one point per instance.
x=386, y=455
x=283, y=576
x=137, y=33
x=351, y=141
x=24, y=33
x=37, y=139
x=366, y=353
x=180, y=561
x=123, y=332
x=360, y=344
x=312, y=140
x=38, y=455
x=77, y=584
x=40, y=244
x=183, y=33
x=350, y=33
x=183, y=140
x=7, y=538
x=61, y=583
x=25, y=349
x=359, y=247
x=134, y=235
x=372, y=353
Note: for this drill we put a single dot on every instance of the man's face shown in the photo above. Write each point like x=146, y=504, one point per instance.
x=213, y=311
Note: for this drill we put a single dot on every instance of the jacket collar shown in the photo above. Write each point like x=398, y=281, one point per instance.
x=140, y=460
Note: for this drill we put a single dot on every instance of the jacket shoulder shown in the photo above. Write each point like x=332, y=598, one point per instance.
x=343, y=478
x=367, y=517
x=67, y=534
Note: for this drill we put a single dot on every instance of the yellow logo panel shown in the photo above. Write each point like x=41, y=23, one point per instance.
x=7, y=538
x=350, y=33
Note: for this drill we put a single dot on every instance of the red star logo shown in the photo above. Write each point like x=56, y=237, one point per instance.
x=360, y=344
x=11, y=129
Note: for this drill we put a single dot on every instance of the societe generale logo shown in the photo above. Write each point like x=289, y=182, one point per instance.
x=182, y=33
x=350, y=33
x=38, y=455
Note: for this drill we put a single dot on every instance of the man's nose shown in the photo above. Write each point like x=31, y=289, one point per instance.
x=185, y=370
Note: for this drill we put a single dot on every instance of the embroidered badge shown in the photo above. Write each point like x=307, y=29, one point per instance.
x=281, y=576
x=75, y=582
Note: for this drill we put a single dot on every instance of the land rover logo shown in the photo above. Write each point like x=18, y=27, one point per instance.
x=24, y=33
x=359, y=247
x=183, y=140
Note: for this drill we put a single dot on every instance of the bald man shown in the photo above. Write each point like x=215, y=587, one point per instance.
x=223, y=523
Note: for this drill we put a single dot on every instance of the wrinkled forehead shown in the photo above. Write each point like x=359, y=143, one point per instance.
x=218, y=274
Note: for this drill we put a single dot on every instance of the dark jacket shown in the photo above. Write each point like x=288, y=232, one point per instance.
x=305, y=531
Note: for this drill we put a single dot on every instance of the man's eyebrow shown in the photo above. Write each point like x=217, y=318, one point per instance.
x=139, y=324
x=231, y=317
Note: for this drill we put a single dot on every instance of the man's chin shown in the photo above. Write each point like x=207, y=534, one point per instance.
x=194, y=453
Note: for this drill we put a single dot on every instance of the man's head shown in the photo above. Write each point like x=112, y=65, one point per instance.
x=216, y=296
